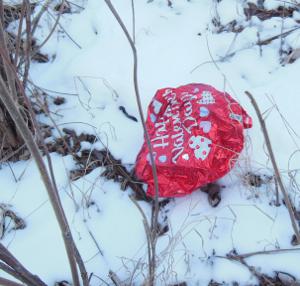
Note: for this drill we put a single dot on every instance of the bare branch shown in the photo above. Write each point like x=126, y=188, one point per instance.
x=267, y=252
x=16, y=266
x=133, y=20
x=6, y=59
x=276, y=169
x=28, y=43
x=155, y=209
x=18, y=38
x=14, y=112
x=6, y=282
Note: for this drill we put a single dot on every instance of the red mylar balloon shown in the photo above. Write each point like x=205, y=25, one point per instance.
x=196, y=133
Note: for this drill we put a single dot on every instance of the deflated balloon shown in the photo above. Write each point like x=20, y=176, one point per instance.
x=196, y=134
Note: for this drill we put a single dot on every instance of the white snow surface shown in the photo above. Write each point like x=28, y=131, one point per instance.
x=92, y=68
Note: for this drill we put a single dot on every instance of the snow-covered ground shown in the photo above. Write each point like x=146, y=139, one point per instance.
x=91, y=66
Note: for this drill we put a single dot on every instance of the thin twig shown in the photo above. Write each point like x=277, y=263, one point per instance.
x=281, y=35
x=7, y=157
x=267, y=252
x=277, y=203
x=96, y=243
x=72, y=251
x=261, y=277
x=25, y=132
x=259, y=42
x=19, y=35
x=275, y=167
x=51, y=32
x=6, y=60
x=38, y=17
x=146, y=227
x=155, y=209
x=114, y=278
x=133, y=20
x=28, y=43
x=65, y=31
x=281, y=32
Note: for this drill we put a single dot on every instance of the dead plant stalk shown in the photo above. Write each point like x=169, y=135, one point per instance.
x=275, y=167
x=6, y=282
x=8, y=96
x=11, y=107
x=155, y=209
x=12, y=266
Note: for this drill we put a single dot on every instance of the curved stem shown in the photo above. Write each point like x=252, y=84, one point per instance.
x=154, y=222
x=275, y=167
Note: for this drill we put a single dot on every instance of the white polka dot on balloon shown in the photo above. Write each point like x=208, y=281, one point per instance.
x=185, y=156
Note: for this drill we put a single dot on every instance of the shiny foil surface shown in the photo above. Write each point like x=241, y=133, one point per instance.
x=196, y=134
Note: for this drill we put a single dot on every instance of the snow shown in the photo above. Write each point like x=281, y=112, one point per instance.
x=273, y=4
x=175, y=46
x=230, y=10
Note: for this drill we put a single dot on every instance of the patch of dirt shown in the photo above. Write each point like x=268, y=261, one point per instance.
x=232, y=27
x=264, y=14
x=256, y=180
x=13, y=12
x=64, y=8
x=89, y=159
x=213, y=191
x=59, y=100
